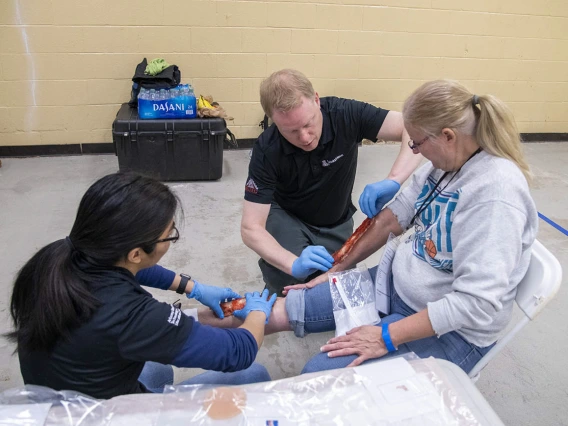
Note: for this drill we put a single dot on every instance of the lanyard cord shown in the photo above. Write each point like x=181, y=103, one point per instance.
x=426, y=201
x=425, y=205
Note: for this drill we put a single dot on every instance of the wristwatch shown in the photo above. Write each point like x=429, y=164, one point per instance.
x=183, y=283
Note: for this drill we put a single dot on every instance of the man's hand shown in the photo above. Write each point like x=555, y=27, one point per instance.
x=313, y=258
x=212, y=296
x=365, y=341
x=376, y=195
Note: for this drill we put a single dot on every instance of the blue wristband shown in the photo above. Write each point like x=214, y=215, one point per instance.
x=387, y=338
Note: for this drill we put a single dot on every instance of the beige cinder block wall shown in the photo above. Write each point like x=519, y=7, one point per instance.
x=65, y=65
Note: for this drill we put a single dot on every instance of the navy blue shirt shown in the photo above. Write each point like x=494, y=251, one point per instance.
x=314, y=186
x=104, y=356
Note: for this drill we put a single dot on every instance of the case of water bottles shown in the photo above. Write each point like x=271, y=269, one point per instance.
x=177, y=102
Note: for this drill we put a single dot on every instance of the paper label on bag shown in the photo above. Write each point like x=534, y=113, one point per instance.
x=357, y=316
x=383, y=278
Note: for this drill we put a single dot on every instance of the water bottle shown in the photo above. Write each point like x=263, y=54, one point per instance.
x=191, y=107
x=153, y=96
x=144, y=104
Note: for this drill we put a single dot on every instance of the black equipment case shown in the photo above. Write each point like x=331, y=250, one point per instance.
x=180, y=149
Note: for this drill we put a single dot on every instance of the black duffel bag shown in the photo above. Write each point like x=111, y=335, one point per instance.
x=168, y=78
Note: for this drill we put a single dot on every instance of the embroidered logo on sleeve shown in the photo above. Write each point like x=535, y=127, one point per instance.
x=175, y=315
x=251, y=187
x=326, y=163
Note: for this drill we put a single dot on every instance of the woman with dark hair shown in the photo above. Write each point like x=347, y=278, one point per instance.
x=83, y=322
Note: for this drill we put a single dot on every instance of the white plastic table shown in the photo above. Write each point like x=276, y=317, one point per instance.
x=399, y=391
x=467, y=390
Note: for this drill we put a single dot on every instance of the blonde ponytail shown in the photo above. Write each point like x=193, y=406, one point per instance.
x=446, y=103
x=497, y=133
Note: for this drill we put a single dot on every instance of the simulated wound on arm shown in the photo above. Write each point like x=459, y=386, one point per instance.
x=340, y=255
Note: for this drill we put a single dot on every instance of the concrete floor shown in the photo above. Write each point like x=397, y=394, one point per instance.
x=527, y=384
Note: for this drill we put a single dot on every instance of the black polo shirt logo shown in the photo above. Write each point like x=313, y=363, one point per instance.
x=251, y=187
x=326, y=163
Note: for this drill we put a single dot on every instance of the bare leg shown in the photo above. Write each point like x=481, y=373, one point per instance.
x=277, y=322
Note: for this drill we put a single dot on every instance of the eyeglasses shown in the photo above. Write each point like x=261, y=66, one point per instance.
x=414, y=145
x=173, y=238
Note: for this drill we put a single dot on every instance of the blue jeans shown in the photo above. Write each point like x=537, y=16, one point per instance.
x=311, y=311
x=155, y=376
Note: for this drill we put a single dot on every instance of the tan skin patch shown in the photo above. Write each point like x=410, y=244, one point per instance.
x=225, y=403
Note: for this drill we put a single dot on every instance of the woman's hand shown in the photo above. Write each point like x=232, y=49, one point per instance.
x=365, y=341
x=320, y=279
x=212, y=296
x=257, y=302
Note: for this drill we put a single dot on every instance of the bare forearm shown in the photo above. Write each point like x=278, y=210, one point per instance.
x=255, y=322
x=406, y=161
x=414, y=327
x=265, y=245
x=376, y=236
x=278, y=320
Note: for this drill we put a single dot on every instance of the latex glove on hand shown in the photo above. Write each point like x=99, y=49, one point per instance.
x=257, y=302
x=212, y=296
x=376, y=195
x=313, y=258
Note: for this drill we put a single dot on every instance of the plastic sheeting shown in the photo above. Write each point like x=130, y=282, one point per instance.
x=400, y=391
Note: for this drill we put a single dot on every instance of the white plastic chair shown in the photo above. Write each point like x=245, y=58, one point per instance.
x=539, y=285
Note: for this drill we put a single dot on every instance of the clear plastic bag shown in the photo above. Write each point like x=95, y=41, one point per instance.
x=64, y=407
x=353, y=297
x=401, y=391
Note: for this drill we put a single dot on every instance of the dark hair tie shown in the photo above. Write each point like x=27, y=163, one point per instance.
x=475, y=100
x=70, y=243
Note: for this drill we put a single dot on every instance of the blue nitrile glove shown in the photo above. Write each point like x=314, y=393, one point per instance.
x=376, y=195
x=313, y=258
x=257, y=302
x=211, y=296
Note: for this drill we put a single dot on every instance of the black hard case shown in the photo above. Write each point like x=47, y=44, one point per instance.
x=181, y=149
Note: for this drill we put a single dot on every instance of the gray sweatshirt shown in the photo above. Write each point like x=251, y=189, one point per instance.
x=470, y=249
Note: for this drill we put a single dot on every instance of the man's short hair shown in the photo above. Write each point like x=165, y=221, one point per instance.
x=283, y=91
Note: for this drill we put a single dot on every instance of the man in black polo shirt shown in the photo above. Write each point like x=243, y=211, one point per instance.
x=298, y=207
